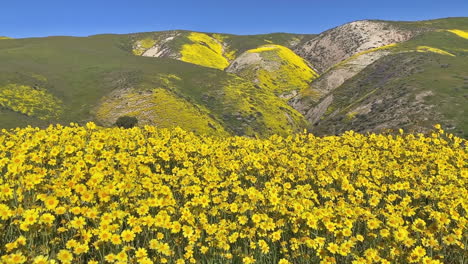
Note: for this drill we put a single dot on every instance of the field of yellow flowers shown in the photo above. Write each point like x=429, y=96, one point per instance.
x=82, y=194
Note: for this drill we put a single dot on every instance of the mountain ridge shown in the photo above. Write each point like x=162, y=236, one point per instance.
x=195, y=69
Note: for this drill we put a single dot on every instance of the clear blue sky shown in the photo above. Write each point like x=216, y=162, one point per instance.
x=37, y=18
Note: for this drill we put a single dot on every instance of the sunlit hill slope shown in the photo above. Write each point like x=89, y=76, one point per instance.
x=365, y=76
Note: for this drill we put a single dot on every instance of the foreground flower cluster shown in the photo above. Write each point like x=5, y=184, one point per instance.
x=142, y=195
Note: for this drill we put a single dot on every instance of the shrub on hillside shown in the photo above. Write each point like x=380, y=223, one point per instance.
x=126, y=121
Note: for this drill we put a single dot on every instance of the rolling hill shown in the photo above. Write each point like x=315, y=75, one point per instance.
x=368, y=76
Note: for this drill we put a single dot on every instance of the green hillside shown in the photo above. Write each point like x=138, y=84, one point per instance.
x=76, y=75
x=212, y=50
x=384, y=75
x=425, y=81
x=434, y=24
x=413, y=84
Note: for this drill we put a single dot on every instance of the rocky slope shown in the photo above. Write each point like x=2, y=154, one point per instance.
x=340, y=43
x=374, y=90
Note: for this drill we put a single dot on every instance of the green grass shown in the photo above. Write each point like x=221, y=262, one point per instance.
x=234, y=44
x=398, y=77
x=442, y=23
x=404, y=75
x=444, y=40
x=244, y=43
x=81, y=71
x=446, y=76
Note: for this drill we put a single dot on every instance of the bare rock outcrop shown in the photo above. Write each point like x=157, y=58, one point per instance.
x=159, y=50
x=249, y=59
x=162, y=49
x=340, y=43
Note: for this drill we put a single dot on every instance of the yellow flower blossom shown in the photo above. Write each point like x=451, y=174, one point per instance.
x=127, y=235
x=41, y=260
x=65, y=256
x=182, y=198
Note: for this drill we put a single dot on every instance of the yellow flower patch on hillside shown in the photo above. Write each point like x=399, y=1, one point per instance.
x=30, y=101
x=264, y=116
x=282, y=70
x=460, y=33
x=434, y=50
x=220, y=37
x=228, y=54
x=161, y=108
x=143, y=45
x=385, y=47
x=205, y=51
x=39, y=77
x=265, y=48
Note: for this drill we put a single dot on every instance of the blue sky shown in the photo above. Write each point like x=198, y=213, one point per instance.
x=37, y=18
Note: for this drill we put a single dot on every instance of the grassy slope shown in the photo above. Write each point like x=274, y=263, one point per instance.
x=77, y=70
x=399, y=78
x=244, y=43
x=202, y=49
x=279, y=69
x=234, y=44
x=443, y=23
x=80, y=71
x=446, y=76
